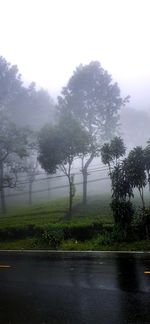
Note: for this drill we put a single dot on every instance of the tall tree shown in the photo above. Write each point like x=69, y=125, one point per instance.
x=135, y=166
x=112, y=152
x=27, y=106
x=13, y=143
x=59, y=145
x=10, y=83
x=95, y=101
x=32, y=107
x=146, y=152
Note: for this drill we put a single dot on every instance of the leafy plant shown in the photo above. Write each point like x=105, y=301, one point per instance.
x=52, y=237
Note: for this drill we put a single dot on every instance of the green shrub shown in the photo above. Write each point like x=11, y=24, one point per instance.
x=52, y=237
x=17, y=232
x=82, y=232
x=51, y=234
x=120, y=234
x=123, y=212
x=141, y=223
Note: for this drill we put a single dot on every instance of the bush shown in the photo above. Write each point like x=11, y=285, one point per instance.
x=141, y=223
x=119, y=234
x=82, y=232
x=52, y=237
x=123, y=212
x=17, y=232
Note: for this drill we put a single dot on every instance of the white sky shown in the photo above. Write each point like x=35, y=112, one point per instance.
x=47, y=39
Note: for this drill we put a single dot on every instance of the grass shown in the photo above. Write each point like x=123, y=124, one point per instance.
x=72, y=245
x=54, y=214
x=93, y=245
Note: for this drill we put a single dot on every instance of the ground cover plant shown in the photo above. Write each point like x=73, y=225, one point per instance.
x=45, y=226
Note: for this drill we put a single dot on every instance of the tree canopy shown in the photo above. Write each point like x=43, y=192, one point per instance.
x=93, y=98
x=13, y=142
x=27, y=106
x=60, y=144
x=95, y=101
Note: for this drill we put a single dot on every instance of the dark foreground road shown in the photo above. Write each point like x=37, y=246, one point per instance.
x=113, y=290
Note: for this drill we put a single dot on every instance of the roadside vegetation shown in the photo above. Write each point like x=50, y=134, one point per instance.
x=83, y=126
x=46, y=226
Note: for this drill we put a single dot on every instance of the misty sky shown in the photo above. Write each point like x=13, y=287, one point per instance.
x=47, y=39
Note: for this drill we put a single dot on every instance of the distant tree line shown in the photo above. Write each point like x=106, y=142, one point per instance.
x=86, y=114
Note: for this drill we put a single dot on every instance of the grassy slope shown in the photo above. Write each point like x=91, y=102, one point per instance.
x=53, y=213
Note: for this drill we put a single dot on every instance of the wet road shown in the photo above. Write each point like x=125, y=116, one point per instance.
x=113, y=290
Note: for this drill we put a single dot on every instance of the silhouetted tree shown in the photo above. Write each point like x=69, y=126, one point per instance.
x=10, y=83
x=111, y=152
x=59, y=145
x=13, y=142
x=146, y=152
x=135, y=165
x=95, y=101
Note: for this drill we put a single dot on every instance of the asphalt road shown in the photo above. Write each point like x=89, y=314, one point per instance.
x=112, y=290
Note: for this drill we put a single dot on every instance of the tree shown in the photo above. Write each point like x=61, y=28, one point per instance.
x=95, y=101
x=122, y=191
x=117, y=148
x=59, y=145
x=146, y=152
x=120, y=182
x=13, y=143
x=135, y=166
x=10, y=83
x=32, y=107
x=31, y=167
x=106, y=155
x=111, y=152
x=138, y=165
x=26, y=106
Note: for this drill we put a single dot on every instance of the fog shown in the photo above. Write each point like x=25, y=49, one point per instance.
x=48, y=40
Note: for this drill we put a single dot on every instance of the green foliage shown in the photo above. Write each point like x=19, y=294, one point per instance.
x=123, y=212
x=93, y=98
x=141, y=223
x=13, y=147
x=83, y=231
x=120, y=183
x=117, y=148
x=121, y=234
x=95, y=101
x=146, y=153
x=106, y=154
x=13, y=140
x=52, y=237
x=19, y=232
x=44, y=227
x=60, y=144
x=10, y=83
x=32, y=108
x=111, y=152
x=136, y=167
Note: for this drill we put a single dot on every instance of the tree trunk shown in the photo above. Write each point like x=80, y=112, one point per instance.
x=2, y=192
x=70, y=198
x=3, y=202
x=30, y=193
x=142, y=196
x=85, y=175
x=147, y=231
